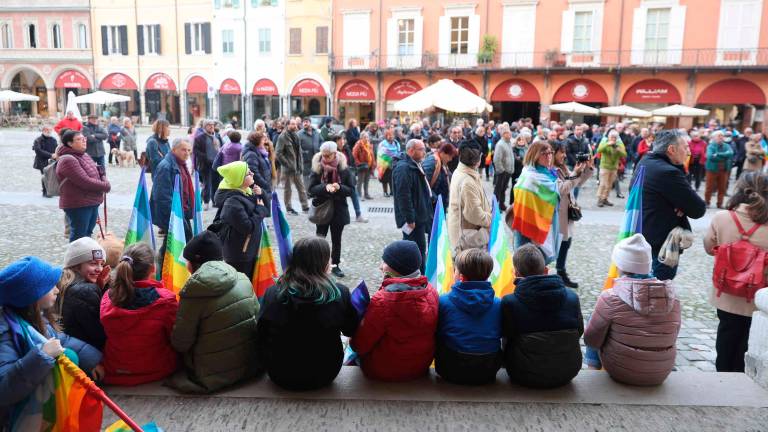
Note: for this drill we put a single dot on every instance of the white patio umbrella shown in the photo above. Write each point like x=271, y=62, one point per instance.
x=679, y=111
x=72, y=105
x=12, y=96
x=101, y=98
x=624, y=111
x=574, y=108
x=447, y=95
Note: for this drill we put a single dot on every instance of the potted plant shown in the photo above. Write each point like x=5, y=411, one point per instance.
x=550, y=56
x=487, y=50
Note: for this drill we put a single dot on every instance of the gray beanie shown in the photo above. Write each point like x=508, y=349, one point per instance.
x=633, y=255
x=83, y=250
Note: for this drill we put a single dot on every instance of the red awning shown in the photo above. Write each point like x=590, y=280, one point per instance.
x=467, y=85
x=160, y=81
x=229, y=87
x=308, y=87
x=515, y=90
x=732, y=91
x=197, y=84
x=402, y=89
x=118, y=81
x=72, y=79
x=652, y=91
x=357, y=90
x=581, y=90
x=265, y=87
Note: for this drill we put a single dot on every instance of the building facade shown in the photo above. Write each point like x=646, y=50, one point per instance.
x=45, y=50
x=524, y=55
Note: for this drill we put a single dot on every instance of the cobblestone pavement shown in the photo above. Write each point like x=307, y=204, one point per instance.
x=32, y=224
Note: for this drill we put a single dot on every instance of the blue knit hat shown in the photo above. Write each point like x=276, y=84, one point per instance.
x=402, y=256
x=25, y=281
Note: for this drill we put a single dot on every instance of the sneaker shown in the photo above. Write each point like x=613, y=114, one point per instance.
x=567, y=280
x=620, y=196
x=206, y=206
x=608, y=203
x=361, y=219
x=600, y=203
x=337, y=271
x=292, y=212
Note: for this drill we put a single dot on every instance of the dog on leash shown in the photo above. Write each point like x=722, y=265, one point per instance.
x=123, y=158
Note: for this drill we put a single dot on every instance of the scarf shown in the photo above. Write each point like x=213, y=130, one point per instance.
x=330, y=170
x=536, y=208
x=187, y=187
x=677, y=240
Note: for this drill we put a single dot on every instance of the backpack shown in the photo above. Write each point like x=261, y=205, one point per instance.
x=144, y=162
x=51, y=180
x=740, y=266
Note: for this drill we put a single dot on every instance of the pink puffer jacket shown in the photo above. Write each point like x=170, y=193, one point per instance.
x=80, y=183
x=635, y=327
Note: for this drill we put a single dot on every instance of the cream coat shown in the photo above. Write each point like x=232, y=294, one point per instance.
x=469, y=207
x=565, y=187
x=754, y=150
x=722, y=230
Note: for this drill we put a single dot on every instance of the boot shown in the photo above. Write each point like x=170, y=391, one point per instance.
x=566, y=280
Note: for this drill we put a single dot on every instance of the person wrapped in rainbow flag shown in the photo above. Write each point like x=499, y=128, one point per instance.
x=386, y=156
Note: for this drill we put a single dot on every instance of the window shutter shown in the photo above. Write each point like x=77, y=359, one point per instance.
x=123, y=39
x=638, y=35
x=418, y=38
x=444, y=40
x=597, y=34
x=321, y=40
x=566, y=32
x=187, y=38
x=140, y=38
x=104, y=41
x=473, y=41
x=295, y=41
x=392, y=42
x=207, y=37
x=676, y=30
x=157, y=39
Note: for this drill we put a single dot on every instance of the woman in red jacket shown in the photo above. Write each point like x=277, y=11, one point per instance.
x=396, y=339
x=138, y=314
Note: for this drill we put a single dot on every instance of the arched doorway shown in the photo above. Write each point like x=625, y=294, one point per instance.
x=308, y=97
x=162, y=100
x=515, y=99
x=30, y=82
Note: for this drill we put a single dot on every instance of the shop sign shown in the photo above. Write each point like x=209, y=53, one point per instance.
x=72, y=79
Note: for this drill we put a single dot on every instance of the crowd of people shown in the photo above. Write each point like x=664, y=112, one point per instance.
x=217, y=333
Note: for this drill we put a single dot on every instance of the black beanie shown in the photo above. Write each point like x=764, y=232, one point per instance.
x=203, y=247
x=403, y=256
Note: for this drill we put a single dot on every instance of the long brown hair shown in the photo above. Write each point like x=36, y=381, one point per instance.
x=34, y=316
x=752, y=190
x=136, y=263
x=307, y=276
x=161, y=128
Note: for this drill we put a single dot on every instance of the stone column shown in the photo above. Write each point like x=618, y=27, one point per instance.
x=53, y=106
x=143, y=107
x=756, y=359
x=183, y=115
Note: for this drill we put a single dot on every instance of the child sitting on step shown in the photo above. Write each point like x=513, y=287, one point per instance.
x=138, y=314
x=542, y=324
x=396, y=338
x=469, y=324
x=635, y=324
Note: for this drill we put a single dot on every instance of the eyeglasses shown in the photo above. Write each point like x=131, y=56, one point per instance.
x=547, y=152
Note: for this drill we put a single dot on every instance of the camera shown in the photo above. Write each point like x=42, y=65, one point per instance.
x=583, y=157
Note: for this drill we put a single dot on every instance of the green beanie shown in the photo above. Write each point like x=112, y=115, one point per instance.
x=233, y=175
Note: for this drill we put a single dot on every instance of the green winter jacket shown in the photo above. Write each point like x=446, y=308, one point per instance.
x=215, y=329
x=609, y=155
x=719, y=157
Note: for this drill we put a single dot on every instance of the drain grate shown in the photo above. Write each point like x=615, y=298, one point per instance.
x=381, y=209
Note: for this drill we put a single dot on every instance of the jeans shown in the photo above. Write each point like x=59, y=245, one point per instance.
x=732, y=341
x=81, y=221
x=418, y=236
x=363, y=176
x=99, y=160
x=336, y=231
x=500, y=188
x=356, y=203
x=562, y=255
x=206, y=183
x=661, y=271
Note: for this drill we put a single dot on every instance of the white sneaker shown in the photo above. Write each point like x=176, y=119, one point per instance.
x=361, y=219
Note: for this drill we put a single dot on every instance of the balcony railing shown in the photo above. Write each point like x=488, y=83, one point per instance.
x=756, y=58
x=41, y=55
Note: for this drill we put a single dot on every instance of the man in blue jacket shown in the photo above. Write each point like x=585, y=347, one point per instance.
x=413, y=196
x=668, y=198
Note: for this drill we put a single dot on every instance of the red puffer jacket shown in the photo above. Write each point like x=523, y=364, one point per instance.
x=79, y=180
x=396, y=339
x=138, y=348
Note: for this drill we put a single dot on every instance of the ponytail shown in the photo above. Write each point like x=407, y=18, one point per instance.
x=135, y=264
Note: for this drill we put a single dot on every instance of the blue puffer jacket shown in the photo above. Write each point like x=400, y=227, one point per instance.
x=162, y=191
x=442, y=186
x=156, y=150
x=469, y=318
x=21, y=373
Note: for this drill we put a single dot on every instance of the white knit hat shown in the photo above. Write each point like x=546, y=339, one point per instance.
x=83, y=250
x=633, y=255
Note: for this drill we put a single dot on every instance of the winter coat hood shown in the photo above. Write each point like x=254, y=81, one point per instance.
x=543, y=292
x=132, y=317
x=212, y=279
x=473, y=297
x=646, y=296
x=233, y=175
x=316, y=168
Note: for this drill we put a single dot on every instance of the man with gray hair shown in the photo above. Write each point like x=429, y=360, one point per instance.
x=668, y=198
x=206, y=147
x=413, y=196
x=718, y=167
x=289, y=155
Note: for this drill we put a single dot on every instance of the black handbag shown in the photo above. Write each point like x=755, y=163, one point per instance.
x=574, y=211
x=321, y=211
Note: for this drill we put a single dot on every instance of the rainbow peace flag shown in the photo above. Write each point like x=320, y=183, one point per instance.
x=439, y=266
x=63, y=401
x=633, y=220
x=140, y=224
x=282, y=232
x=197, y=222
x=536, y=207
x=264, y=270
x=386, y=153
x=121, y=426
x=175, y=273
x=503, y=275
